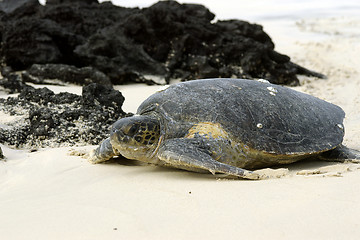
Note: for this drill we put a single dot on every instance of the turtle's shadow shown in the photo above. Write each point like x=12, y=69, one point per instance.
x=168, y=171
x=306, y=164
x=120, y=160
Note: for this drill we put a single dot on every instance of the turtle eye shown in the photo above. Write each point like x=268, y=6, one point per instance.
x=131, y=130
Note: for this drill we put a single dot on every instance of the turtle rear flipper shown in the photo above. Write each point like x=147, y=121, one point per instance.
x=183, y=154
x=102, y=153
x=341, y=154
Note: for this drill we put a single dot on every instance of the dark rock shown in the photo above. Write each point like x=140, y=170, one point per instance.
x=13, y=83
x=48, y=119
x=84, y=19
x=95, y=96
x=115, y=55
x=153, y=45
x=49, y=2
x=67, y=73
x=37, y=95
x=1, y=154
x=10, y=6
x=6, y=71
x=42, y=121
x=30, y=40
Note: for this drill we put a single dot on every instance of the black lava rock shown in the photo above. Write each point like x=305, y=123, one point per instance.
x=49, y=119
x=9, y=6
x=44, y=73
x=165, y=41
x=1, y=154
x=95, y=96
x=13, y=83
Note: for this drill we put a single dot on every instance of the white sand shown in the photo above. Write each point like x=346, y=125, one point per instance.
x=55, y=194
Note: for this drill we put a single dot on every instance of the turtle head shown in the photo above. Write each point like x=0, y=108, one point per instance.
x=136, y=137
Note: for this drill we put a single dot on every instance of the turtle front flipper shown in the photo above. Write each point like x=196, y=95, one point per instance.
x=341, y=154
x=102, y=153
x=186, y=154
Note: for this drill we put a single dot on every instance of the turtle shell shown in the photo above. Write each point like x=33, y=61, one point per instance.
x=263, y=116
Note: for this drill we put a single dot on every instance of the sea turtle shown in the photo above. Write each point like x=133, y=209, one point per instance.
x=229, y=126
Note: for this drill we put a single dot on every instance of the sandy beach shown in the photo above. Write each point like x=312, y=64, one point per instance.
x=55, y=193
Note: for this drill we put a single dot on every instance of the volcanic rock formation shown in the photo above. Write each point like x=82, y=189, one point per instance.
x=164, y=41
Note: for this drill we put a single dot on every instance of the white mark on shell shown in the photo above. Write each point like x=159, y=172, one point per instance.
x=339, y=125
x=237, y=87
x=263, y=80
x=272, y=90
x=259, y=125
